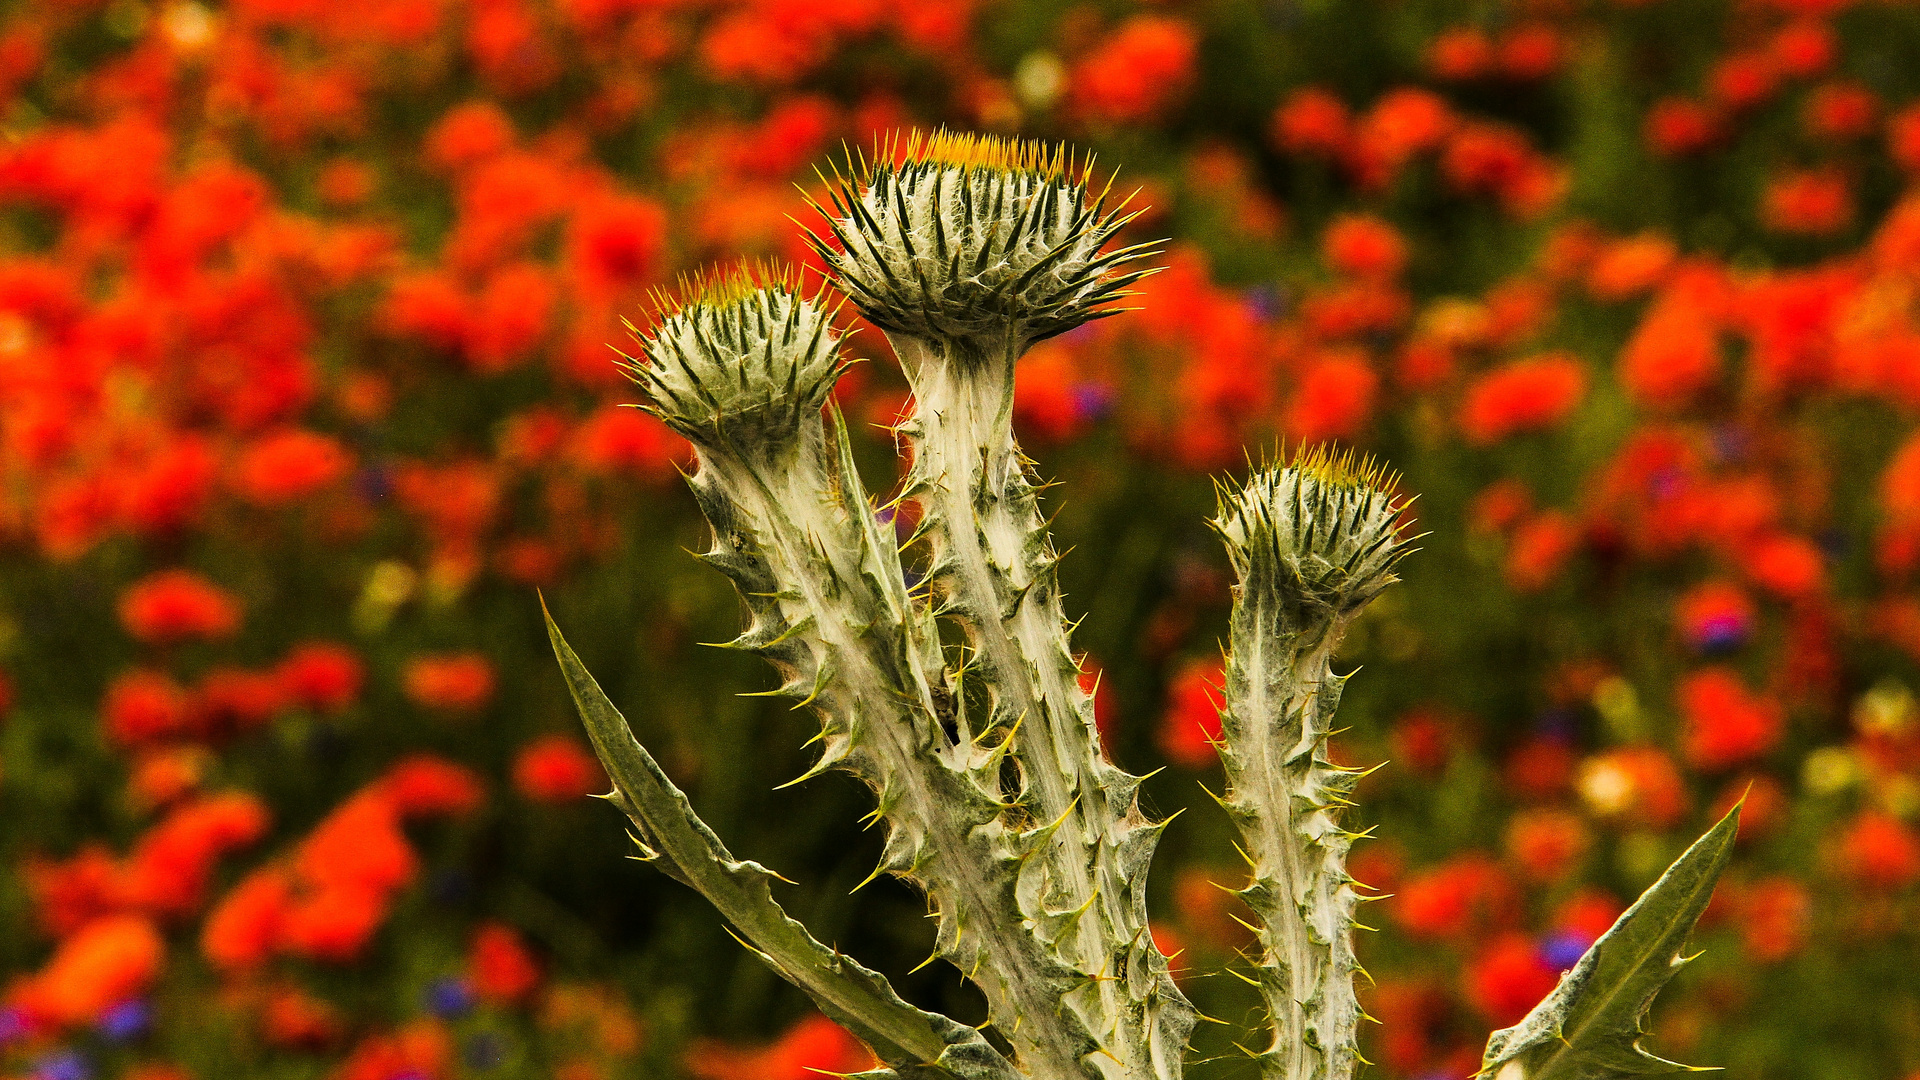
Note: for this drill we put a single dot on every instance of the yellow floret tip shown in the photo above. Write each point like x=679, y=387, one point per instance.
x=723, y=286
x=1343, y=468
x=971, y=152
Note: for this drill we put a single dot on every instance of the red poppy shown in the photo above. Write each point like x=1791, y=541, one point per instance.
x=557, y=769
x=453, y=682
x=1726, y=724
x=178, y=605
x=289, y=465
x=321, y=675
x=1191, y=724
x=500, y=965
x=1136, y=72
x=102, y=964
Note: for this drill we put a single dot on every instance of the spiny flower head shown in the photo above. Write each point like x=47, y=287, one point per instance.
x=741, y=356
x=986, y=242
x=1322, y=532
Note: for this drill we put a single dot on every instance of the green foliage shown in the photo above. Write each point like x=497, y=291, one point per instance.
x=1589, y=1028
x=919, y=1044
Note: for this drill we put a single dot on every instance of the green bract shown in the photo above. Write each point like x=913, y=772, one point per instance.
x=989, y=242
x=741, y=357
x=1323, y=533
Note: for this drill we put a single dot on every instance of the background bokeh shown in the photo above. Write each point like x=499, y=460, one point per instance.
x=305, y=388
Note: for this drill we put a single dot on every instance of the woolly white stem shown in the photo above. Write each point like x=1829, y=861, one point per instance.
x=1286, y=796
x=1082, y=888
x=871, y=667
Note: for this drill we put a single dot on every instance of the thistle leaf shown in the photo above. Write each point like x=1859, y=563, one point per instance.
x=915, y=1044
x=1589, y=1028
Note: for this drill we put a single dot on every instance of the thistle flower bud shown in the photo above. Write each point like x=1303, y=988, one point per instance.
x=984, y=242
x=741, y=357
x=1321, y=535
x=1312, y=542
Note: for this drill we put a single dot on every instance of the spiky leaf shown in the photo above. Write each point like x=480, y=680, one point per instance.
x=916, y=1044
x=1589, y=1028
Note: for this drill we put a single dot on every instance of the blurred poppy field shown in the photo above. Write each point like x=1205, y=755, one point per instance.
x=306, y=388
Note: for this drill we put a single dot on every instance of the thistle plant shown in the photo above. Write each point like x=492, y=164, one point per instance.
x=987, y=771
x=1312, y=544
